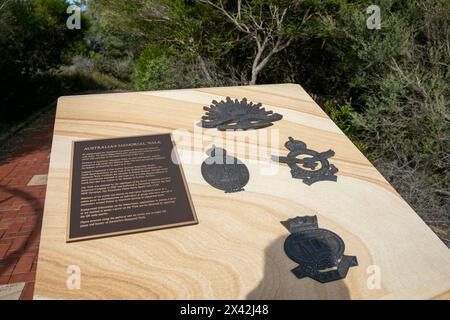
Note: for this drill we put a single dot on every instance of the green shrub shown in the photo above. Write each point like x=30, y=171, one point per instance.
x=121, y=68
x=160, y=67
x=34, y=41
x=342, y=116
x=155, y=70
x=82, y=82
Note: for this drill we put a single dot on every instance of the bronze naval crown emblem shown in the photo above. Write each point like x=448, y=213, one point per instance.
x=319, y=252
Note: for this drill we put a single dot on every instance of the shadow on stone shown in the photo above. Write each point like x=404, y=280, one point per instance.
x=280, y=283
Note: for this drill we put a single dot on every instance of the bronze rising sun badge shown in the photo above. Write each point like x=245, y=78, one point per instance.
x=237, y=115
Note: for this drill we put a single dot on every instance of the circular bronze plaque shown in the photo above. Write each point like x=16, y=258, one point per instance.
x=224, y=172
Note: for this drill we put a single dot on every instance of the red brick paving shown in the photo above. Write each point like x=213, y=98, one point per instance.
x=21, y=208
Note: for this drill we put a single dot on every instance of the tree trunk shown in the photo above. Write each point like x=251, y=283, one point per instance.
x=204, y=69
x=254, y=76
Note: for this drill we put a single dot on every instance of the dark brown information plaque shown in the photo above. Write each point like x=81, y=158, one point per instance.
x=126, y=185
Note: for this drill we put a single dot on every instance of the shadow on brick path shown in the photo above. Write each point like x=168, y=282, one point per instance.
x=22, y=157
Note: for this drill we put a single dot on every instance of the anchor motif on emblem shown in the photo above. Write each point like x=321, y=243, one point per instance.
x=315, y=167
x=319, y=252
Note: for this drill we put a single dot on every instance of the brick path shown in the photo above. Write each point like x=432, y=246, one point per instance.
x=21, y=206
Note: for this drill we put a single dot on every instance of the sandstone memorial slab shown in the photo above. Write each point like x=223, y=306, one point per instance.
x=236, y=251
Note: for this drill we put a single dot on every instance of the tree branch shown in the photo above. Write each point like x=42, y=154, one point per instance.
x=268, y=35
x=2, y=5
x=241, y=26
